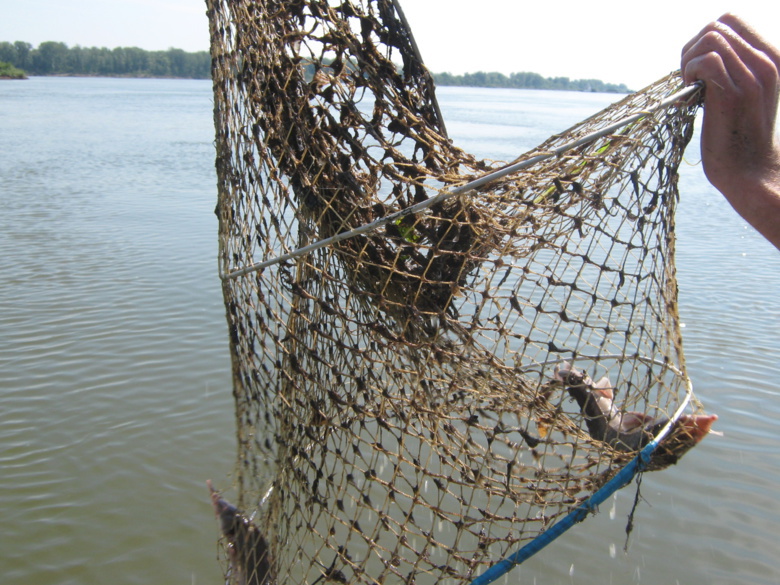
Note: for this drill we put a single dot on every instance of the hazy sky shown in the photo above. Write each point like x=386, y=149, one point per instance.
x=615, y=41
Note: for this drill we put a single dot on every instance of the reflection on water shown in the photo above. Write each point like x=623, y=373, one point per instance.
x=115, y=398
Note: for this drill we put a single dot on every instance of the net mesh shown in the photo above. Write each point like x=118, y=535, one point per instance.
x=398, y=415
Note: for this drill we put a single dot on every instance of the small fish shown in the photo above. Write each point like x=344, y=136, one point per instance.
x=248, y=550
x=629, y=431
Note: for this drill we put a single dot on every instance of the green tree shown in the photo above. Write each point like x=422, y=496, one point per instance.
x=7, y=53
x=177, y=60
x=137, y=59
x=23, y=55
x=159, y=65
x=75, y=59
x=9, y=71
x=50, y=57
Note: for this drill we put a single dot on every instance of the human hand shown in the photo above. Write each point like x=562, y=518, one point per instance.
x=739, y=149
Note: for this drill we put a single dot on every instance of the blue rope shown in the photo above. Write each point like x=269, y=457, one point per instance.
x=621, y=479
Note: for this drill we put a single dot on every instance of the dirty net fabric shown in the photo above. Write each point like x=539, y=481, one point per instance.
x=396, y=417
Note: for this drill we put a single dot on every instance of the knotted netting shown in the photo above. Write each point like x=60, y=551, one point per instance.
x=401, y=412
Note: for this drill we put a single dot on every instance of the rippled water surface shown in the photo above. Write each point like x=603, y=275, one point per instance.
x=115, y=398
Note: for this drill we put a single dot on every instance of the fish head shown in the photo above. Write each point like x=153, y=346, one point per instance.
x=229, y=517
x=568, y=375
x=687, y=431
x=694, y=427
x=247, y=548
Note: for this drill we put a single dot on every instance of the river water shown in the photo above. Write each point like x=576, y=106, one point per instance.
x=115, y=397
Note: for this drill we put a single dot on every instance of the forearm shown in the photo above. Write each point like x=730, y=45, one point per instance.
x=758, y=202
x=745, y=170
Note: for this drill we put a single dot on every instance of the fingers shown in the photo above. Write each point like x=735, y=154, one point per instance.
x=746, y=32
x=729, y=55
x=712, y=60
x=730, y=23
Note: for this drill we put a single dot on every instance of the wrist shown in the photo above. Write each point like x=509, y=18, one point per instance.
x=758, y=200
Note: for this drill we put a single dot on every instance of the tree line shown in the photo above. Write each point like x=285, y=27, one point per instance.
x=525, y=80
x=53, y=58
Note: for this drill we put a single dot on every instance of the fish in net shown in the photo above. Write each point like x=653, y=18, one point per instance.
x=416, y=399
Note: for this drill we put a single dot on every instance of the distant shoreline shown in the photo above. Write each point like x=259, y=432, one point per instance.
x=527, y=80
x=120, y=76
x=437, y=83
x=57, y=59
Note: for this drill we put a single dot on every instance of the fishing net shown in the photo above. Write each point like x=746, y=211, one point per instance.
x=401, y=412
